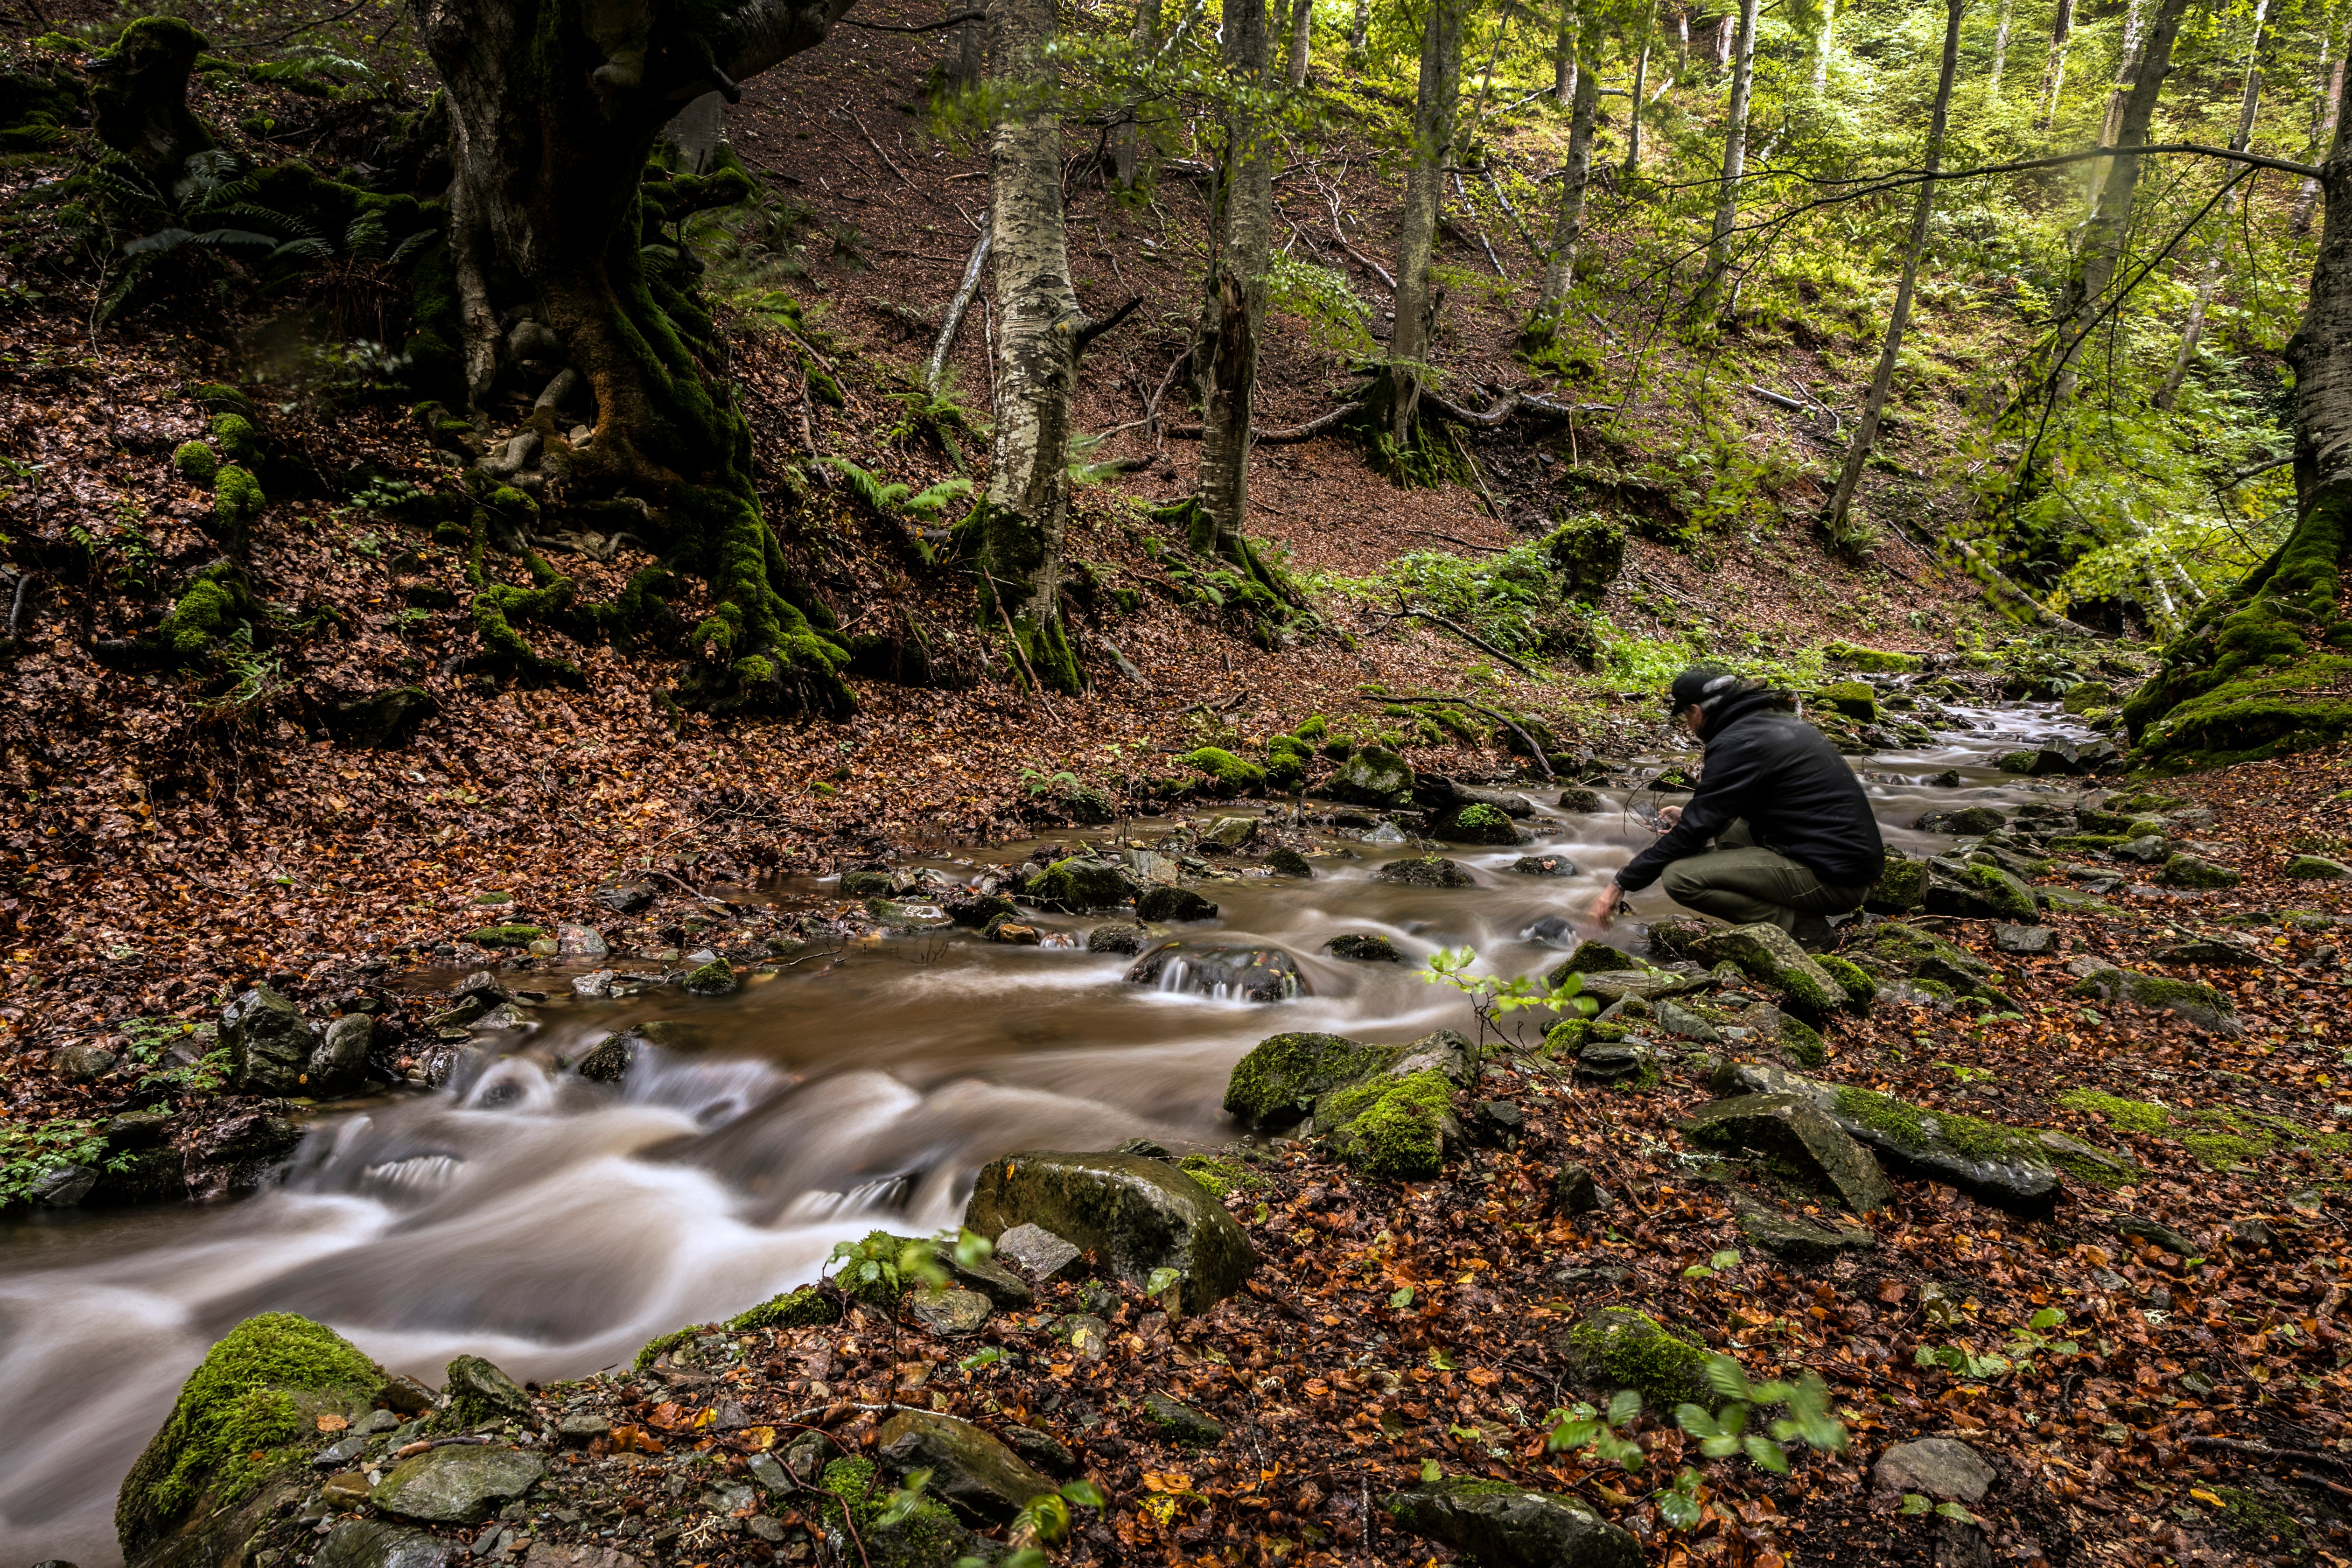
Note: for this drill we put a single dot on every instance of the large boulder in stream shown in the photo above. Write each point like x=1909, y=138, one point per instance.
x=1134, y=1215
x=1228, y=973
x=238, y=1442
x=2003, y=1166
x=267, y=1042
x=1372, y=775
x=1080, y=883
x=1283, y=1075
x=1395, y=1120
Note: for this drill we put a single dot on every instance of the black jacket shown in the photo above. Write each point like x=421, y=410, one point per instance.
x=1796, y=793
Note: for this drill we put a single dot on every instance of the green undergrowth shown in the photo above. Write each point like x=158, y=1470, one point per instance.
x=1391, y=1129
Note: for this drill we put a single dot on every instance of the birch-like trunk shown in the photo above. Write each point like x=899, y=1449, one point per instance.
x=2191, y=332
x=1873, y=408
x=1040, y=330
x=1821, y=47
x=2102, y=241
x=1564, y=58
x=2110, y=126
x=1634, y=111
x=2053, y=71
x=1127, y=146
x=1302, y=30
x=1435, y=108
x=1576, y=179
x=1359, y=26
x=2323, y=129
x=1232, y=308
x=1735, y=161
x=2000, y=52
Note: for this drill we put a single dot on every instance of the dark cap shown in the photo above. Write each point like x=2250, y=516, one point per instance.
x=1702, y=687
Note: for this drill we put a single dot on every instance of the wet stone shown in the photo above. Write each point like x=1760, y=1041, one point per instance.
x=1544, y=865
x=1364, y=948
x=2033, y=942
x=951, y=1312
x=458, y=1485
x=1039, y=1254
x=1573, y=1190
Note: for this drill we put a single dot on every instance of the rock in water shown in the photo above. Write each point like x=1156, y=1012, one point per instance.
x=1372, y=776
x=480, y=1393
x=1429, y=871
x=1475, y=823
x=339, y=1062
x=1228, y=973
x=1503, y=1526
x=1134, y=1215
x=269, y=1044
x=1287, y=862
x=1793, y=1126
x=1080, y=883
x=370, y=1544
x=1969, y=821
x=1159, y=905
x=1364, y=948
x=1544, y=865
x=2000, y=1165
x=458, y=1485
x=976, y=1475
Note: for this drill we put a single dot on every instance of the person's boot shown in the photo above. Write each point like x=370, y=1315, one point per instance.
x=1813, y=933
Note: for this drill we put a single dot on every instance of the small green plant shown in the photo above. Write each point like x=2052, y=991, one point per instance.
x=1725, y=1432
x=29, y=1154
x=2034, y=1339
x=1494, y=999
x=207, y=1074
x=1581, y=1427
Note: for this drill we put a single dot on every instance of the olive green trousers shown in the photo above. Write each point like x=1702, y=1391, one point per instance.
x=1743, y=883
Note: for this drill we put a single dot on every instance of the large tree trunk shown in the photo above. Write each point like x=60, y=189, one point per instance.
x=2053, y=71
x=2323, y=128
x=1302, y=29
x=1127, y=147
x=1865, y=435
x=1232, y=308
x=1040, y=334
x=554, y=108
x=2103, y=242
x=2218, y=248
x=1567, y=225
x=1359, y=26
x=2119, y=95
x=2000, y=52
x=1564, y=61
x=1735, y=163
x=1821, y=45
x=1398, y=393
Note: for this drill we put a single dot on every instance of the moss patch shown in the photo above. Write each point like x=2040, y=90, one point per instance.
x=2124, y=1115
x=1861, y=990
x=1391, y=1128
x=1631, y=1350
x=801, y=1309
x=505, y=936
x=1224, y=773
x=1220, y=1176
x=1906, y=1126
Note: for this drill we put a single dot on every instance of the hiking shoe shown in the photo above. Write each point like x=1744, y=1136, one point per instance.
x=1813, y=933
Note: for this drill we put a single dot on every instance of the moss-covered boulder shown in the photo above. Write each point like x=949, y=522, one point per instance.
x=1902, y=887
x=1593, y=958
x=479, y=1393
x=1765, y=953
x=239, y=1439
x=1477, y=822
x=1617, y=1347
x=1135, y=1215
x=1877, y=661
x=715, y=978
x=1860, y=989
x=197, y=463
x=1289, y=862
x=1117, y=936
x=1396, y=1129
x=1079, y=883
x=1364, y=947
x=1288, y=759
x=1968, y=822
x=505, y=935
x=805, y=1308
x=1972, y=890
x=1504, y=1526
x=1372, y=775
x=1425, y=871
x=2190, y=871
x=2314, y=868
x=1224, y=773
x=2087, y=696
x=2207, y=1007
x=978, y=1477
x=1854, y=699
x=1587, y=554
x=1283, y=1075
x=1160, y=906
x=890, y=1534
x=1791, y=1126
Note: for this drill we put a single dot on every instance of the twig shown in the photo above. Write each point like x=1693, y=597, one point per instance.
x=1493, y=261
x=883, y=155
x=1406, y=612
x=1284, y=435
x=936, y=366
x=1495, y=713
x=1151, y=403
x=689, y=889
x=1464, y=544
x=1463, y=447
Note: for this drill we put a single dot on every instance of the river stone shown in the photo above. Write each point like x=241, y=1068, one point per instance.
x=1134, y=1215
x=2026, y=942
x=1967, y=890
x=579, y=941
x=1289, y=862
x=62, y=1186
x=1157, y=906
x=372, y=1543
x=480, y=1393
x=1364, y=948
x=1545, y=866
x=1689, y=1025
x=338, y=1061
x=976, y=1475
x=1042, y=1450
x=1283, y=1075
x=1973, y=821
x=1040, y=1254
x=1944, y=1467
x=269, y=1044
x=2191, y=871
x=1117, y=936
x=1790, y=1124
x=1179, y=1422
x=2206, y=1007
x=1475, y=822
x=2148, y=849
x=1503, y=1526
x=1766, y=952
x=1901, y=887
x=1080, y=883
x=1796, y=1238
x=1593, y=958
x=583, y=1426
x=1999, y=1164
x=1610, y=986
x=907, y=916
x=985, y=1277
x=1426, y=872
x=1228, y=833
x=627, y=897
x=951, y=1312
x=1616, y=1061
x=1372, y=775
x=1233, y=973
x=458, y=1485
x=715, y=977
x=2315, y=868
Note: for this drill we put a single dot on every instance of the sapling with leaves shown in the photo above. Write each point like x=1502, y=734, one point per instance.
x=1494, y=999
x=880, y=1271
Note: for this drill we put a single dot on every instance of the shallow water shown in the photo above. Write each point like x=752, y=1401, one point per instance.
x=554, y=1224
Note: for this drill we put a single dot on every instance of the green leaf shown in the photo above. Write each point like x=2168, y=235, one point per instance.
x=987, y=1356
x=1570, y=1435
x=1400, y=1299
x=1430, y=1473
x=2046, y=1318
x=1695, y=1420
x=1727, y=1378
x=1699, y=1271
x=972, y=1249
x=1084, y=1493
x=1678, y=1509
x=1726, y=1259
x=1954, y=1510
x=1616, y=1450
x=1765, y=1454
x=1914, y=1504
x=1160, y=1278
x=1623, y=1405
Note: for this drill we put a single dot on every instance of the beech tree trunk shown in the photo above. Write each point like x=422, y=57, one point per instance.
x=2000, y=52
x=1127, y=146
x=1568, y=224
x=1873, y=408
x=2053, y=71
x=2102, y=241
x=1564, y=58
x=2323, y=131
x=1735, y=163
x=2191, y=332
x=1633, y=112
x=1232, y=307
x=1302, y=28
x=1358, y=29
x=2127, y=70
x=1040, y=334
x=1434, y=110
x=554, y=107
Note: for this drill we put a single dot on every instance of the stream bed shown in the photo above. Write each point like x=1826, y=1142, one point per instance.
x=554, y=1224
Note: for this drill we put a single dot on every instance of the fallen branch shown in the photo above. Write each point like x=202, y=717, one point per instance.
x=958, y=20
x=1093, y=330
x=1464, y=544
x=878, y=152
x=936, y=366
x=1511, y=211
x=1495, y=713
x=1406, y=612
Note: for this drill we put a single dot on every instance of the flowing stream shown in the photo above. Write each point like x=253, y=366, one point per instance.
x=554, y=1224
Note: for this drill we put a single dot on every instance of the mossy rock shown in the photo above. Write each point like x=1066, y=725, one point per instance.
x=1860, y=989
x=715, y=978
x=2018, y=762
x=505, y=935
x=1160, y=906
x=1364, y=948
x=2086, y=697
x=1852, y=698
x=1288, y=760
x=197, y=463
x=1876, y=662
x=237, y=501
x=1079, y=883
x=1283, y=1075
x=1221, y=1177
x=1587, y=555
x=2123, y=1115
x=480, y=1395
x=1289, y=862
x=1617, y=1347
x=2207, y=1007
x=1767, y=953
x=1224, y=773
x=1429, y=871
x=1477, y=823
x=1978, y=891
x=1394, y=1129
x=1596, y=958
x=1372, y=775
x=802, y=1309
x=865, y=884
x=246, y=1418
x=239, y=441
x=2314, y=868
x=1117, y=936
x=1902, y=887
x=926, y=1535
x=2190, y=871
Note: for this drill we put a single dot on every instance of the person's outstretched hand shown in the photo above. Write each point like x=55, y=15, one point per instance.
x=1669, y=817
x=1604, y=908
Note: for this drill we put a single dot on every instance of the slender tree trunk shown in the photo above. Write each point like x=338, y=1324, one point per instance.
x=1634, y=111
x=1873, y=408
x=1433, y=145
x=1821, y=47
x=1041, y=331
x=1302, y=28
x=1127, y=147
x=2126, y=69
x=2053, y=72
x=1359, y=26
x=2249, y=105
x=1724, y=36
x=1568, y=224
x=2102, y=241
x=1232, y=308
x=1564, y=58
x=2000, y=52
x=967, y=56
x=2323, y=130
x=1735, y=163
